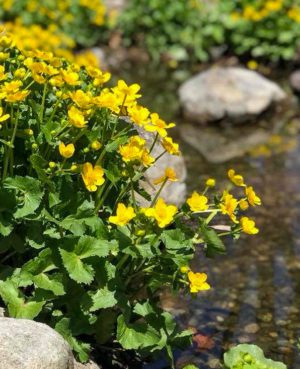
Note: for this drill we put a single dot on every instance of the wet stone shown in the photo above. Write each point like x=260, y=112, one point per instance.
x=273, y=334
x=214, y=363
x=251, y=328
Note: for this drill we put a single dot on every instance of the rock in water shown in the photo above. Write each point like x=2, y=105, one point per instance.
x=295, y=81
x=25, y=344
x=232, y=92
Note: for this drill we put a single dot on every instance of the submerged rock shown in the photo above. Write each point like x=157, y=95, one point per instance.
x=234, y=93
x=295, y=81
x=216, y=147
x=25, y=344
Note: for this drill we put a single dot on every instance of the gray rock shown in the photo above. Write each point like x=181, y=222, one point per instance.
x=89, y=365
x=173, y=192
x=295, y=80
x=217, y=147
x=231, y=92
x=25, y=344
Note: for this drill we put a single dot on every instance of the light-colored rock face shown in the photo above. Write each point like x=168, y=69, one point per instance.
x=295, y=80
x=25, y=344
x=173, y=192
x=231, y=92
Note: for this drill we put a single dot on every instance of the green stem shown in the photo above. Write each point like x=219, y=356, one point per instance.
x=159, y=192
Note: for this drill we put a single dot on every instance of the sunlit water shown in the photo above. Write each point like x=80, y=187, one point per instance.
x=256, y=285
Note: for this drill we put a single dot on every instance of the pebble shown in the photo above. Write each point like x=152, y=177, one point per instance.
x=273, y=334
x=214, y=363
x=251, y=328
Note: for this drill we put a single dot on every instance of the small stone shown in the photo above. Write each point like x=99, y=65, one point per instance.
x=273, y=334
x=295, y=80
x=214, y=363
x=220, y=318
x=251, y=328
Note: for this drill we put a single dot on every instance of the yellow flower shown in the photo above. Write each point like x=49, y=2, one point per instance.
x=244, y=204
x=92, y=176
x=169, y=175
x=76, y=117
x=81, y=99
x=133, y=150
x=211, y=182
x=252, y=197
x=124, y=215
x=198, y=282
x=146, y=159
x=67, y=151
x=197, y=202
x=3, y=117
x=170, y=146
x=127, y=93
x=248, y=225
x=252, y=64
x=108, y=100
x=162, y=213
x=237, y=179
x=229, y=205
x=139, y=115
x=70, y=77
x=158, y=125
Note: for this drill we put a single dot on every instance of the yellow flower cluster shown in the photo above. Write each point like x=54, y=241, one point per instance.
x=50, y=39
x=58, y=11
x=257, y=13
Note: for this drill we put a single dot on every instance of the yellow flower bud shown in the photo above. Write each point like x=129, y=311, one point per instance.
x=140, y=232
x=96, y=145
x=52, y=164
x=34, y=146
x=211, y=182
x=29, y=132
x=74, y=168
x=184, y=269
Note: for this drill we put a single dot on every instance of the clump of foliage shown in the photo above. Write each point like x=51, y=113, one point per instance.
x=265, y=29
x=183, y=29
x=81, y=20
x=247, y=356
x=190, y=29
x=78, y=251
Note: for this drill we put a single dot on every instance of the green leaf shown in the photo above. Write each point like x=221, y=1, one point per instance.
x=103, y=299
x=237, y=354
x=82, y=349
x=214, y=244
x=89, y=246
x=50, y=283
x=136, y=336
x=78, y=271
x=180, y=247
x=17, y=307
x=30, y=191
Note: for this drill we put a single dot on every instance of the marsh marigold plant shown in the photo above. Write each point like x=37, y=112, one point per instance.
x=78, y=251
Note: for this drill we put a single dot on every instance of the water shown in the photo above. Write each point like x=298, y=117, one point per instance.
x=256, y=286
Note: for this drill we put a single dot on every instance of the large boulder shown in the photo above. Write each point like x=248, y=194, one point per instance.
x=25, y=344
x=228, y=92
x=295, y=81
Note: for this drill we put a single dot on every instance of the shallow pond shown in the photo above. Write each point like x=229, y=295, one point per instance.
x=256, y=285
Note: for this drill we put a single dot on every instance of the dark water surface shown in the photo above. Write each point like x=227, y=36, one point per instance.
x=256, y=285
